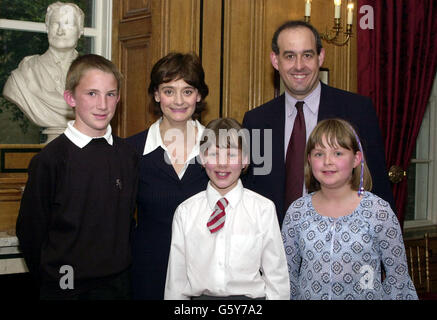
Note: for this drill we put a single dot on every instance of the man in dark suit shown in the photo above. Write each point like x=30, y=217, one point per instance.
x=297, y=54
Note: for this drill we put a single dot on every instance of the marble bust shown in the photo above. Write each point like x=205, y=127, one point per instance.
x=37, y=85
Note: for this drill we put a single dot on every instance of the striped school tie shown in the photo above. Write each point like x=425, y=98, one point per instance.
x=217, y=219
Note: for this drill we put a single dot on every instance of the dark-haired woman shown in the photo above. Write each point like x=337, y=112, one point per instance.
x=169, y=171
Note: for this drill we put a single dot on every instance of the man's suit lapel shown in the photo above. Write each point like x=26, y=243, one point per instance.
x=326, y=106
x=276, y=121
x=331, y=105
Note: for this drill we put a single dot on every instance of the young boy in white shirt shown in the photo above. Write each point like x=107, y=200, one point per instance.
x=226, y=241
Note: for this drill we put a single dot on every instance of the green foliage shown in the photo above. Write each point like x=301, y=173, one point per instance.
x=24, y=10
x=35, y=10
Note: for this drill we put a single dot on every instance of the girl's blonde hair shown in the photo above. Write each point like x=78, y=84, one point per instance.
x=338, y=133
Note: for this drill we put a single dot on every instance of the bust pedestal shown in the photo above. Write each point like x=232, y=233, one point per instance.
x=53, y=132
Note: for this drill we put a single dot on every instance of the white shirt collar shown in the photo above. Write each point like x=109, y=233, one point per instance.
x=233, y=196
x=80, y=139
x=154, y=139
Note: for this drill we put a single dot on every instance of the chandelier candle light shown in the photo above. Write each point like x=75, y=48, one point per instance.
x=332, y=36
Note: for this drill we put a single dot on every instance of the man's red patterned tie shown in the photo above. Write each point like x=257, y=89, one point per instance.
x=294, y=161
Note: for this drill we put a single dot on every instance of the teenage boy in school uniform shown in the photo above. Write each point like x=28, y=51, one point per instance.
x=77, y=208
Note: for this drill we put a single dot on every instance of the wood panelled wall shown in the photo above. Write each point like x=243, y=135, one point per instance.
x=233, y=39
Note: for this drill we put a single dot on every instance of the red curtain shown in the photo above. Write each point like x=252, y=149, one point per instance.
x=396, y=67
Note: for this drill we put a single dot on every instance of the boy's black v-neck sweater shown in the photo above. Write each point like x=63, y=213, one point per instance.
x=77, y=210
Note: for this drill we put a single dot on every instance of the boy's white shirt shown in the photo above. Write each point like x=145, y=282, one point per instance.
x=154, y=140
x=80, y=139
x=229, y=261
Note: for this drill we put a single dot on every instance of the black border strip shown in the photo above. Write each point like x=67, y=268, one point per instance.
x=201, y=41
x=3, y=153
x=201, y=31
x=11, y=256
x=222, y=40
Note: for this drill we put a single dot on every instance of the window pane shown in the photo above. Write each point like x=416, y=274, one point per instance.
x=422, y=145
x=422, y=175
x=417, y=202
x=31, y=10
x=15, y=128
x=411, y=192
x=418, y=174
x=15, y=45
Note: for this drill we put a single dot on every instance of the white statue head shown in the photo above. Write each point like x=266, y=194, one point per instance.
x=65, y=25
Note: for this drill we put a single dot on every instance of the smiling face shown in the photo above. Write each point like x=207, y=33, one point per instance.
x=177, y=100
x=223, y=167
x=63, y=29
x=298, y=62
x=95, y=99
x=332, y=165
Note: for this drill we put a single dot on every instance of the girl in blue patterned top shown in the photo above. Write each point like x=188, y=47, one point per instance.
x=339, y=244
